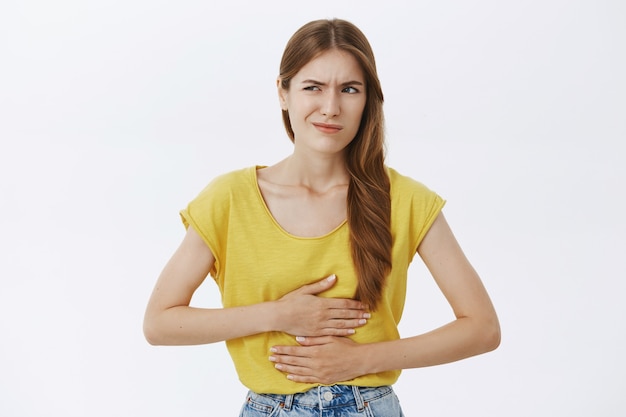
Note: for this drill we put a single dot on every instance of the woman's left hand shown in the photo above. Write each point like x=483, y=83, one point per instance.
x=323, y=359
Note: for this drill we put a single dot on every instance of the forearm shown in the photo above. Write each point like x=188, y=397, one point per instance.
x=329, y=360
x=460, y=339
x=171, y=321
x=184, y=325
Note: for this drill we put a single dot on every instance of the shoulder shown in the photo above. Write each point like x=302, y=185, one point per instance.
x=233, y=182
x=414, y=208
x=219, y=192
x=411, y=196
x=232, y=179
x=215, y=201
x=404, y=186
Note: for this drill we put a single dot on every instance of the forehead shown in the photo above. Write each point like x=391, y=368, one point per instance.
x=331, y=65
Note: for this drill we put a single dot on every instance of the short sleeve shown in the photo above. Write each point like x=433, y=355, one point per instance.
x=432, y=209
x=414, y=209
x=208, y=215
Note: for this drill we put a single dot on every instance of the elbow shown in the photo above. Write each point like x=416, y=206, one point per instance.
x=491, y=335
x=151, y=332
x=151, y=339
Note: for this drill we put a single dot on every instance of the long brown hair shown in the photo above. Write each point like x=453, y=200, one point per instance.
x=369, y=204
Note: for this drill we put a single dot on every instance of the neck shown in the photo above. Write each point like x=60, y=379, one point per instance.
x=318, y=174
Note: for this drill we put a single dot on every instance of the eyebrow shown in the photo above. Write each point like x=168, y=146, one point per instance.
x=347, y=83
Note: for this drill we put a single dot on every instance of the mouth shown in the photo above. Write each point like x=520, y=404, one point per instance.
x=327, y=127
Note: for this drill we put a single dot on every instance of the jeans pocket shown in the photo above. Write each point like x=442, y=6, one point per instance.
x=259, y=406
x=386, y=406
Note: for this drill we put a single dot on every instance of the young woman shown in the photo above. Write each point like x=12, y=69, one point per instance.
x=311, y=254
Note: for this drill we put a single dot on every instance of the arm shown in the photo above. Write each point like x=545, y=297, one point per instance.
x=474, y=331
x=169, y=320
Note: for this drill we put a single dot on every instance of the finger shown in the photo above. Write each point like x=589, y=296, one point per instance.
x=319, y=286
x=348, y=313
x=295, y=350
x=297, y=373
x=309, y=341
x=287, y=363
x=303, y=378
x=293, y=369
x=340, y=332
x=303, y=374
x=346, y=304
x=335, y=327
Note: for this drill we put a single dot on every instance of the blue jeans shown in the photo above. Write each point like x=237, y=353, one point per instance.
x=332, y=401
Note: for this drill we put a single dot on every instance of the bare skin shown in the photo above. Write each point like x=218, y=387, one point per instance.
x=169, y=320
x=325, y=103
x=474, y=331
x=333, y=359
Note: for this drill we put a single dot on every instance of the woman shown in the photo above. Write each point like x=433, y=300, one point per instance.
x=311, y=254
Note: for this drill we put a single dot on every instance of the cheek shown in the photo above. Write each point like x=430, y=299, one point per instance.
x=302, y=108
x=358, y=113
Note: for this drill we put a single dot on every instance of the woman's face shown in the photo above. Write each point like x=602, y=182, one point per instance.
x=325, y=102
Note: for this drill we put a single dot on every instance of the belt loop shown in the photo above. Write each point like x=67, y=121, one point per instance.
x=288, y=402
x=360, y=405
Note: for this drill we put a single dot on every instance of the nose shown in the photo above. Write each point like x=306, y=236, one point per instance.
x=330, y=106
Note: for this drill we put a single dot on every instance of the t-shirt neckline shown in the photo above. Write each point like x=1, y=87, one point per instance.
x=255, y=181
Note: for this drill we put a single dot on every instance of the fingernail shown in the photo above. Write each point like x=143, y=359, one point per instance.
x=273, y=350
x=362, y=321
x=278, y=366
x=367, y=315
x=331, y=278
x=300, y=338
x=351, y=331
x=272, y=358
x=290, y=377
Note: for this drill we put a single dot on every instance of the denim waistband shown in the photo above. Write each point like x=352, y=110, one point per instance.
x=325, y=397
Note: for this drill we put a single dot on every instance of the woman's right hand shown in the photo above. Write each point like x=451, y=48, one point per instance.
x=302, y=313
x=170, y=320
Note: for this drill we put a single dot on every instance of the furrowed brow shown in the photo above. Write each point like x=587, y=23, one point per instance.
x=346, y=84
x=311, y=81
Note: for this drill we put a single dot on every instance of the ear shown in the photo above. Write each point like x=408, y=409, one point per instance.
x=282, y=95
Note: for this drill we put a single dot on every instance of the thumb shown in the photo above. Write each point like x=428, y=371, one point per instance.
x=320, y=286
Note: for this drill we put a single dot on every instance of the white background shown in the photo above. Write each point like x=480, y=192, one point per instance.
x=114, y=114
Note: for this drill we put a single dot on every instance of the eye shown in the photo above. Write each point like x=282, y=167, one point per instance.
x=350, y=90
x=311, y=88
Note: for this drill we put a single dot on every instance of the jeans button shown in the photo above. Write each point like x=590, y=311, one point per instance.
x=328, y=395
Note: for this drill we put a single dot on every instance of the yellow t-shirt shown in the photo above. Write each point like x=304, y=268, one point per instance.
x=256, y=261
